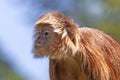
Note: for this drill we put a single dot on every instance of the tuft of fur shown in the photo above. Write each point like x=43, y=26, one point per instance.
x=82, y=53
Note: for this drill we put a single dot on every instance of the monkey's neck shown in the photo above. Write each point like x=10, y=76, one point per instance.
x=66, y=69
x=75, y=68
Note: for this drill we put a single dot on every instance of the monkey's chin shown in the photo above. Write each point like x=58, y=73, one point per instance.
x=39, y=56
x=39, y=53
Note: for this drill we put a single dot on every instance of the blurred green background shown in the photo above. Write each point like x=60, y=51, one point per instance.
x=101, y=14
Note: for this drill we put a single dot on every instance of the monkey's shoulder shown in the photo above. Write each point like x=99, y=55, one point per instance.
x=92, y=30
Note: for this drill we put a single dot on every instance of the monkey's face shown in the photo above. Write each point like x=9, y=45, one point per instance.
x=55, y=36
x=46, y=41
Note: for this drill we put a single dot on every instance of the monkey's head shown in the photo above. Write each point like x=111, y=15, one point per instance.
x=55, y=36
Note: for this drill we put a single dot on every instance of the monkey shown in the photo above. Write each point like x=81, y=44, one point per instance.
x=75, y=53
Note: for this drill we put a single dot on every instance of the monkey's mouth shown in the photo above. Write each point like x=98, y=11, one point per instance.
x=39, y=46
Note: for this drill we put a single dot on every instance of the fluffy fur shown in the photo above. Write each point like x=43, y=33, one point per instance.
x=77, y=53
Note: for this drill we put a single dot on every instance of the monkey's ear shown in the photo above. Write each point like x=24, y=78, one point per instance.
x=69, y=30
x=72, y=32
x=73, y=37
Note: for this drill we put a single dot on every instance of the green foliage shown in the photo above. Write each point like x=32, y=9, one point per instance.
x=114, y=4
x=109, y=21
x=110, y=28
x=6, y=71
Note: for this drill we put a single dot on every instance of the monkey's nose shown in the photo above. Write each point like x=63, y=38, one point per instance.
x=38, y=39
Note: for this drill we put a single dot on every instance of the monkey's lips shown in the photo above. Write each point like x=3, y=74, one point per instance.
x=38, y=45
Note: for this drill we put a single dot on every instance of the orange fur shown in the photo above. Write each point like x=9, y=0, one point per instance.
x=77, y=53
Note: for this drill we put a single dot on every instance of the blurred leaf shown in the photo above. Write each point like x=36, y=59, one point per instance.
x=110, y=28
x=6, y=72
x=114, y=4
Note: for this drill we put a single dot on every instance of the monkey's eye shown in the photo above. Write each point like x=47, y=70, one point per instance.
x=38, y=31
x=46, y=34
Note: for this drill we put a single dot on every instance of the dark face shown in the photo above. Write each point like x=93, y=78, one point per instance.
x=46, y=40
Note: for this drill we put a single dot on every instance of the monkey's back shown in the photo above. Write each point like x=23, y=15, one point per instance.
x=98, y=58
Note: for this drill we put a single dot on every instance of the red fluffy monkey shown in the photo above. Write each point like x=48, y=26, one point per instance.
x=76, y=53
